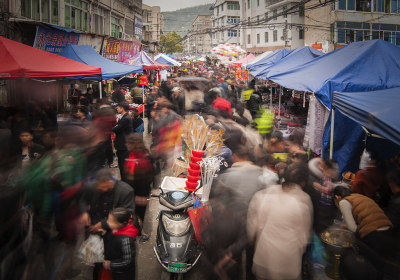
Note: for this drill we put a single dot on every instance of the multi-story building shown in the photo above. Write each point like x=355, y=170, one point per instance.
x=200, y=36
x=345, y=21
x=272, y=24
x=115, y=18
x=225, y=22
x=153, y=23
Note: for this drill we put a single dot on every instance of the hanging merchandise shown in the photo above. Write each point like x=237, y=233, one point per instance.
x=315, y=125
x=228, y=50
x=209, y=166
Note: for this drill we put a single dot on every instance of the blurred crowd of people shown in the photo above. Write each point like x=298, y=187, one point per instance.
x=59, y=182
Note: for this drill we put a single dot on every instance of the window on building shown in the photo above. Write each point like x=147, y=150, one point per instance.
x=149, y=13
x=275, y=35
x=275, y=13
x=129, y=27
x=248, y=39
x=232, y=5
x=99, y=20
x=44, y=10
x=233, y=19
x=284, y=11
x=266, y=15
x=347, y=32
x=222, y=7
x=233, y=33
x=266, y=37
x=114, y=27
x=258, y=39
x=301, y=10
x=258, y=18
x=248, y=4
x=35, y=10
x=258, y=3
x=222, y=35
x=301, y=33
x=76, y=15
x=54, y=11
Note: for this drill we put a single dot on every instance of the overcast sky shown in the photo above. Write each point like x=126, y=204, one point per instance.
x=173, y=5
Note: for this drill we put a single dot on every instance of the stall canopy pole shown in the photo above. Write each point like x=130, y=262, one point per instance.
x=332, y=132
x=279, y=109
x=143, y=99
x=270, y=99
x=100, y=89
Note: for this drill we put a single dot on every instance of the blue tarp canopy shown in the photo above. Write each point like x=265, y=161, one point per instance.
x=376, y=110
x=298, y=57
x=361, y=66
x=267, y=61
x=164, y=59
x=110, y=69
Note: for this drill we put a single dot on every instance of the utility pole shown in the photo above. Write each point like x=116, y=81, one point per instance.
x=285, y=34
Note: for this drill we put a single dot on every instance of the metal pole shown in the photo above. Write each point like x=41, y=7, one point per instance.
x=270, y=99
x=332, y=132
x=279, y=109
x=100, y=89
x=143, y=100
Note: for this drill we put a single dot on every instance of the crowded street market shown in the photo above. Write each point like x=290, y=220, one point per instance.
x=227, y=165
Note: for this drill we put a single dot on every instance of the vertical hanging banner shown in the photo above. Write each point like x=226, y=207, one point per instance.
x=138, y=30
x=54, y=40
x=111, y=50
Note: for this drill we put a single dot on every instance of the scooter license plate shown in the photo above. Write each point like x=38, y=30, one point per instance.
x=177, y=267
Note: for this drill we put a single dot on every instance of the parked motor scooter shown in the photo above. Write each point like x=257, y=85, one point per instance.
x=176, y=249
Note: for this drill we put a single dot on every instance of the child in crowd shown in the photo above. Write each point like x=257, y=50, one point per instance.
x=119, y=244
x=29, y=150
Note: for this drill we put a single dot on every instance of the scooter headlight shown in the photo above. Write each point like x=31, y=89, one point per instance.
x=176, y=228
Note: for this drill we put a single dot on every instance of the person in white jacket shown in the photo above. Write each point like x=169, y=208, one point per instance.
x=279, y=224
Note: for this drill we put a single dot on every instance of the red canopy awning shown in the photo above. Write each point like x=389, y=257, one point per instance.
x=143, y=59
x=21, y=61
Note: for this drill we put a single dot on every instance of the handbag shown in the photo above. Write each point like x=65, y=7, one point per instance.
x=105, y=274
x=199, y=216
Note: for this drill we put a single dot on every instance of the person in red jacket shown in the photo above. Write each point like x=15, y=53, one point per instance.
x=371, y=182
x=119, y=244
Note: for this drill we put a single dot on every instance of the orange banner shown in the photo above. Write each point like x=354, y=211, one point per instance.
x=242, y=75
x=141, y=80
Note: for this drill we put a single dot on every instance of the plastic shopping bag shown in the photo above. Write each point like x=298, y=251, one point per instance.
x=92, y=250
x=199, y=216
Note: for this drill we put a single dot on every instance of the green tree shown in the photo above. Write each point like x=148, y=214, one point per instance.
x=170, y=43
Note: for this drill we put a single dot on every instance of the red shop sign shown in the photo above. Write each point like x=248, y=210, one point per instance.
x=141, y=80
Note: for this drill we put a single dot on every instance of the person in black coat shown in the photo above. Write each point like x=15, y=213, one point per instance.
x=121, y=130
x=99, y=199
x=119, y=244
x=117, y=96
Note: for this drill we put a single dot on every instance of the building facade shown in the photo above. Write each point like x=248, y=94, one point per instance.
x=153, y=23
x=114, y=18
x=272, y=24
x=225, y=22
x=200, y=35
x=345, y=21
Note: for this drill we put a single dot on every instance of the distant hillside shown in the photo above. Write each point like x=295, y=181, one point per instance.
x=180, y=21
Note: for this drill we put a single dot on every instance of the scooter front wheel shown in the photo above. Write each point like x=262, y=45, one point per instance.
x=165, y=275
